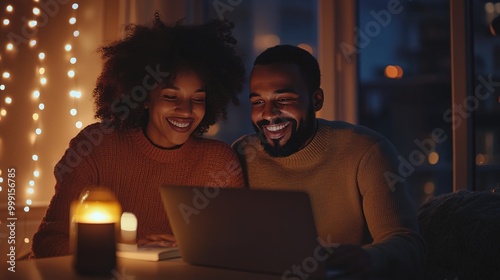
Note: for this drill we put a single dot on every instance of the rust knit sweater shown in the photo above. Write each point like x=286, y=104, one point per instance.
x=133, y=168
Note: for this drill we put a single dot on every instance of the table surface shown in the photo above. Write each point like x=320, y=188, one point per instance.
x=127, y=269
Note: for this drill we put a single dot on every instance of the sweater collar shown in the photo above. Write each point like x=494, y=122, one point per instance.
x=159, y=154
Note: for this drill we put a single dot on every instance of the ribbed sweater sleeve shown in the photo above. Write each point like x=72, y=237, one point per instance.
x=133, y=169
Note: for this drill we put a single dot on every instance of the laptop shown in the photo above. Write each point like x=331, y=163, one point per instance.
x=265, y=231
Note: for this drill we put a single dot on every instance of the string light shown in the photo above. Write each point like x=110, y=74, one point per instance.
x=33, y=43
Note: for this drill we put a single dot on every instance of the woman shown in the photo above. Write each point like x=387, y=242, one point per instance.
x=160, y=89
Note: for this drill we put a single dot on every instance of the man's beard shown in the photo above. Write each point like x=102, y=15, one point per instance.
x=298, y=137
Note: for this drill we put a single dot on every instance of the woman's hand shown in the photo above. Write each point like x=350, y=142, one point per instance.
x=162, y=240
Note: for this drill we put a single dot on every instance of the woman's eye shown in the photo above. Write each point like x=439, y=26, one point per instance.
x=169, y=97
x=199, y=100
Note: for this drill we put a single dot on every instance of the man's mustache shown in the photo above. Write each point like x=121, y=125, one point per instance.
x=261, y=123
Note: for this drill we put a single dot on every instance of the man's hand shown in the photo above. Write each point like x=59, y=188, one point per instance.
x=163, y=240
x=351, y=260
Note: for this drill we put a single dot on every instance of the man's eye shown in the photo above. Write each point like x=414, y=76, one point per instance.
x=285, y=100
x=257, y=102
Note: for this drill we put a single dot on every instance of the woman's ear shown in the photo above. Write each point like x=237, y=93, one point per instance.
x=317, y=99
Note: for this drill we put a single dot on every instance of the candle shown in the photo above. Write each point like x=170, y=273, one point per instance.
x=128, y=233
x=94, y=224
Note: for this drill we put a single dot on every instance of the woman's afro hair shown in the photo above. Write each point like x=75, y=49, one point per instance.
x=149, y=56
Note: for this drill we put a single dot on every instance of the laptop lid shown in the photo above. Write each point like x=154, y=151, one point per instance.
x=266, y=231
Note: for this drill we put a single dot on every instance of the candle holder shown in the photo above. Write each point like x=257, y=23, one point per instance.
x=95, y=220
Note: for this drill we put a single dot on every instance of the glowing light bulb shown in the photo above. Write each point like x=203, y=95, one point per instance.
x=41, y=106
x=8, y=100
x=67, y=47
x=32, y=43
x=73, y=112
x=9, y=8
x=26, y=209
x=36, y=94
x=36, y=11
x=36, y=173
x=31, y=190
x=26, y=240
x=76, y=33
x=32, y=23
x=10, y=46
x=72, y=20
x=29, y=201
x=72, y=60
x=6, y=75
x=3, y=112
x=41, y=71
x=43, y=81
x=2, y=87
x=35, y=116
x=78, y=124
x=31, y=183
x=74, y=6
x=71, y=73
x=38, y=131
x=34, y=157
x=6, y=22
x=41, y=56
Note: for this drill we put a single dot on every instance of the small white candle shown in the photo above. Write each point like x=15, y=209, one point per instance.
x=128, y=228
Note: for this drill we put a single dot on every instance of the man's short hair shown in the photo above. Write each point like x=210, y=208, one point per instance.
x=287, y=54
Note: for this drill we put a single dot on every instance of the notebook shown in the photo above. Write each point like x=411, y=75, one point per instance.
x=263, y=231
x=149, y=253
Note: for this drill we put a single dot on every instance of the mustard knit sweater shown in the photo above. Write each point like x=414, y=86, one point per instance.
x=343, y=169
x=133, y=168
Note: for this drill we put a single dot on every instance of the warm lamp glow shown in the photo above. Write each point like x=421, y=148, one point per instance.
x=41, y=55
x=35, y=116
x=36, y=173
x=72, y=20
x=32, y=23
x=31, y=183
x=97, y=217
x=306, y=47
x=74, y=6
x=76, y=33
x=6, y=75
x=41, y=71
x=71, y=73
x=73, y=112
x=6, y=22
x=32, y=43
x=36, y=11
x=433, y=158
x=67, y=47
x=393, y=71
x=34, y=157
x=9, y=8
x=3, y=112
x=43, y=81
x=2, y=87
x=78, y=124
x=72, y=60
x=29, y=202
x=8, y=100
x=41, y=106
x=38, y=131
x=31, y=190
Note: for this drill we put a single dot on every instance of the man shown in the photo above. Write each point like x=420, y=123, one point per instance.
x=347, y=170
